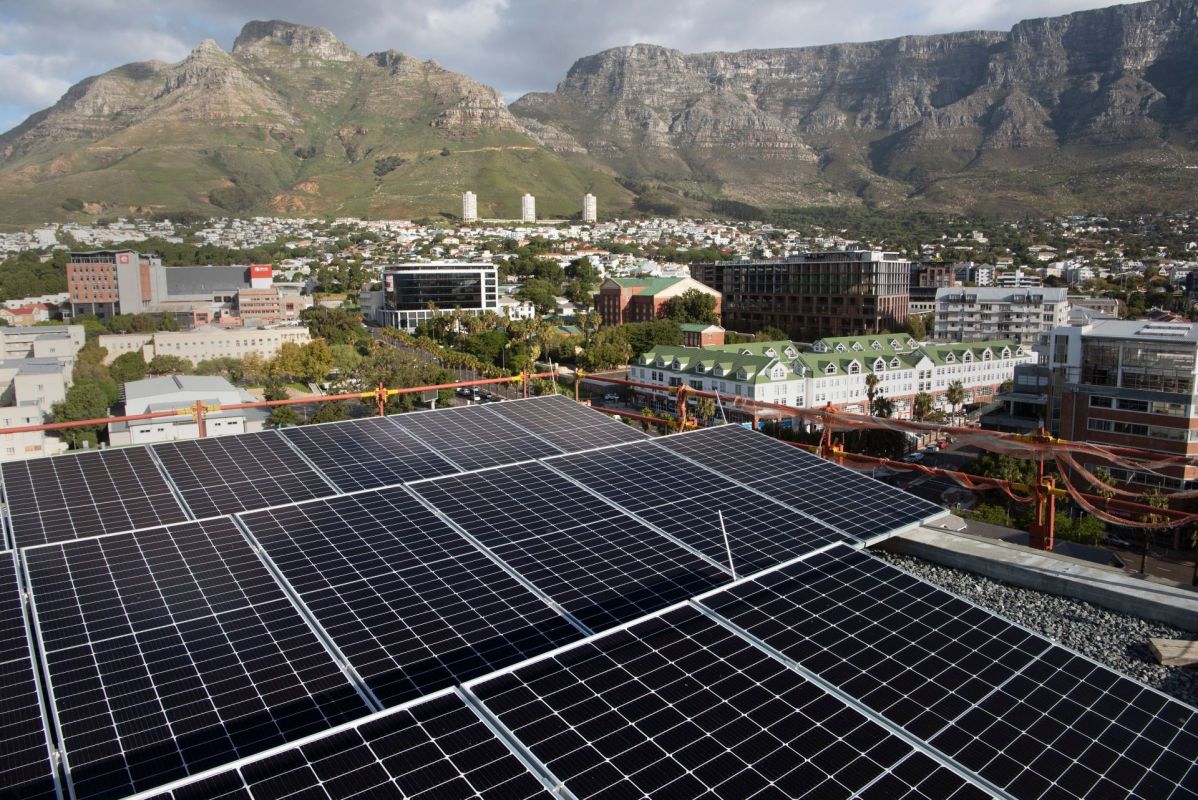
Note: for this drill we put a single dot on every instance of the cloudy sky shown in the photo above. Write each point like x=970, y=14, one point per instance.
x=514, y=45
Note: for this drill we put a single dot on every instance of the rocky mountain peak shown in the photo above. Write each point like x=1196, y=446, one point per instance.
x=258, y=38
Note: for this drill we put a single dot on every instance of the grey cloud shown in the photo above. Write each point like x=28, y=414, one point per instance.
x=513, y=45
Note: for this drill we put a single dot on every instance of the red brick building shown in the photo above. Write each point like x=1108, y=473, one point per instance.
x=622, y=300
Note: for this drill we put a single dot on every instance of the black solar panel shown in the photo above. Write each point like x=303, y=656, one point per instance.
x=25, y=766
x=410, y=602
x=686, y=501
x=567, y=424
x=472, y=438
x=910, y=651
x=436, y=750
x=848, y=500
x=226, y=474
x=679, y=706
x=1067, y=727
x=367, y=453
x=173, y=650
x=1030, y=717
x=597, y=563
x=86, y=494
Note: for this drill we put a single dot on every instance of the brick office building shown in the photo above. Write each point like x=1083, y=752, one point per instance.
x=813, y=295
x=622, y=300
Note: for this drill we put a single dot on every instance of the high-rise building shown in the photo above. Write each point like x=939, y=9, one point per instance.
x=973, y=314
x=590, y=208
x=811, y=295
x=413, y=293
x=528, y=208
x=469, y=207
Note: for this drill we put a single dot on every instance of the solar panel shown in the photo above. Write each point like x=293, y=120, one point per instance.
x=1030, y=717
x=225, y=474
x=686, y=501
x=409, y=601
x=848, y=500
x=600, y=565
x=437, y=749
x=912, y=652
x=679, y=706
x=1067, y=727
x=173, y=650
x=366, y=453
x=472, y=438
x=25, y=766
x=86, y=494
x=569, y=425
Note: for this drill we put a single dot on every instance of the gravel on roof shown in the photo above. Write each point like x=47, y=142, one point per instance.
x=1120, y=641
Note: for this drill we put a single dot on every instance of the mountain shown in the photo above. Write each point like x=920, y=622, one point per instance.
x=291, y=121
x=1097, y=109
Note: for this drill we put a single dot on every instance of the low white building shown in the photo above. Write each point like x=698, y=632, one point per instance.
x=29, y=387
x=181, y=391
x=204, y=343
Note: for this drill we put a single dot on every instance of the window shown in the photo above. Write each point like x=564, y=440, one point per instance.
x=1099, y=401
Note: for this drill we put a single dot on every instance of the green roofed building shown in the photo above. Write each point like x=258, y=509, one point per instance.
x=622, y=300
x=833, y=372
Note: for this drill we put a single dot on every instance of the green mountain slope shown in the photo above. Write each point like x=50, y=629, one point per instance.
x=290, y=122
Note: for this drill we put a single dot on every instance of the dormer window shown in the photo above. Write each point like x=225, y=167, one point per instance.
x=771, y=352
x=875, y=345
x=879, y=365
x=661, y=362
x=791, y=352
x=699, y=368
x=950, y=359
x=987, y=355
x=746, y=352
x=1019, y=350
x=911, y=343
x=894, y=343
x=676, y=365
x=854, y=368
x=742, y=375
x=718, y=372
x=1006, y=352
x=857, y=346
x=830, y=369
x=895, y=363
x=967, y=357
x=840, y=348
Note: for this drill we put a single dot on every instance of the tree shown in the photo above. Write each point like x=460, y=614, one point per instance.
x=921, y=406
x=288, y=363
x=346, y=358
x=705, y=409
x=1156, y=499
x=282, y=416
x=693, y=305
x=871, y=392
x=955, y=395
x=316, y=361
x=541, y=293
x=83, y=401
x=169, y=365
x=771, y=334
x=329, y=412
x=919, y=326
x=128, y=367
x=335, y=325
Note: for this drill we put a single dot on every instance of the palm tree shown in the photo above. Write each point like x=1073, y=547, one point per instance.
x=871, y=392
x=955, y=396
x=921, y=406
x=705, y=409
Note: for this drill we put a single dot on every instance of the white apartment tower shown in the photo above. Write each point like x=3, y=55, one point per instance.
x=590, y=208
x=528, y=208
x=469, y=207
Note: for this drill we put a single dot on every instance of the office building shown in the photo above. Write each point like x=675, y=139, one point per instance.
x=413, y=293
x=811, y=295
x=36, y=365
x=1018, y=279
x=977, y=314
x=111, y=282
x=51, y=341
x=590, y=208
x=1128, y=383
x=621, y=300
x=469, y=207
x=834, y=373
x=204, y=343
x=528, y=208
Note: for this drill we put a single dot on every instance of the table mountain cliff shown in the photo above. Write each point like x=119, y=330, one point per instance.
x=1092, y=109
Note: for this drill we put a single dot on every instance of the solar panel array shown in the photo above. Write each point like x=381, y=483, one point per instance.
x=305, y=638
x=86, y=494
x=226, y=474
x=847, y=500
x=698, y=506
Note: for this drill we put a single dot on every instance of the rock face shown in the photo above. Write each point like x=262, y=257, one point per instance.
x=291, y=120
x=1099, y=102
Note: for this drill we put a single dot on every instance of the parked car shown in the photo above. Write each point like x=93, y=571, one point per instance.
x=912, y=458
x=611, y=397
